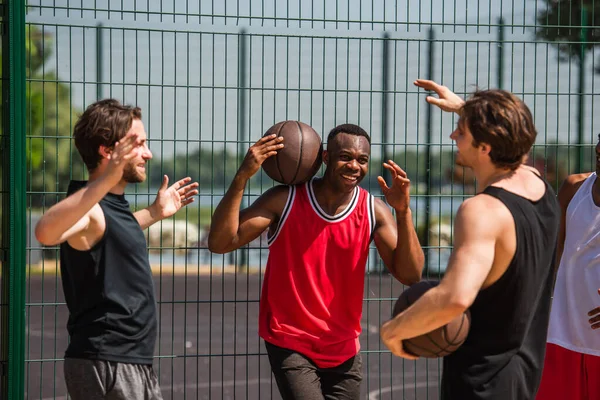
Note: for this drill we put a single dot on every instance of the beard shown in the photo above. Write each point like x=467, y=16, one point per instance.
x=460, y=161
x=132, y=175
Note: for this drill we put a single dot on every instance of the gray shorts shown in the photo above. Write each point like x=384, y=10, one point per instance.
x=106, y=380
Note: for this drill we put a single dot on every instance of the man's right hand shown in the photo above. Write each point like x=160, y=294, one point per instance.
x=123, y=151
x=448, y=100
x=266, y=147
x=594, y=316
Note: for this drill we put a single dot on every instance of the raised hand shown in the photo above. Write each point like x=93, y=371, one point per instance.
x=447, y=101
x=398, y=194
x=171, y=199
x=123, y=151
x=266, y=147
x=594, y=316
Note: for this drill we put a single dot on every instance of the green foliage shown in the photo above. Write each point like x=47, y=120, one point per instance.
x=49, y=117
x=561, y=21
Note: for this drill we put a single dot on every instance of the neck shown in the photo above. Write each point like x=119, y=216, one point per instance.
x=328, y=196
x=488, y=175
x=119, y=188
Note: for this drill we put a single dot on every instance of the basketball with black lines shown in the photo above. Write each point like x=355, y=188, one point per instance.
x=439, y=342
x=300, y=158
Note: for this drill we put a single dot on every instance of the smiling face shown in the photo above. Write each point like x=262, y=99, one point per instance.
x=135, y=170
x=347, y=161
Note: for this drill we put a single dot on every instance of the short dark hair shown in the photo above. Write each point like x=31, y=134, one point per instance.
x=350, y=129
x=502, y=120
x=103, y=123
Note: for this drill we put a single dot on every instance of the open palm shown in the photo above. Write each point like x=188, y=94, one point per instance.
x=171, y=199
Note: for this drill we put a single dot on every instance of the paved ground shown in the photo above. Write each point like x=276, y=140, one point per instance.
x=208, y=344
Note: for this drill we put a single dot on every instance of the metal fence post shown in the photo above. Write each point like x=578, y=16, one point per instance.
x=99, y=61
x=581, y=91
x=242, y=128
x=430, y=61
x=14, y=228
x=500, y=68
x=385, y=85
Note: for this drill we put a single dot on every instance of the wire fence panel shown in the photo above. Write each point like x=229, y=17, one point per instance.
x=211, y=77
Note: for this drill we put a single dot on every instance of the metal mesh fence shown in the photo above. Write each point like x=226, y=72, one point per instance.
x=211, y=77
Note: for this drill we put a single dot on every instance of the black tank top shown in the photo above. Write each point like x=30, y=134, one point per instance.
x=109, y=290
x=503, y=355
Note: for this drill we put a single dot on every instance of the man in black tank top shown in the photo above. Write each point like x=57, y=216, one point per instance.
x=503, y=257
x=105, y=271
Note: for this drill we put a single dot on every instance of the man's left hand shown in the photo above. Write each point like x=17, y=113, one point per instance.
x=171, y=199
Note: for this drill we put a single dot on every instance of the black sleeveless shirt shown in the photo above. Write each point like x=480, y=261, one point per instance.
x=503, y=355
x=109, y=290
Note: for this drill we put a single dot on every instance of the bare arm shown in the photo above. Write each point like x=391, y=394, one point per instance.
x=71, y=215
x=230, y=229
x=566, y=192
x=476, y=232
x=168, y=201
x=398, y=244
x=396, y=240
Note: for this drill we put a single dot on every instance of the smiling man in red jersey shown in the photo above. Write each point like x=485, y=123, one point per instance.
x=318, y=236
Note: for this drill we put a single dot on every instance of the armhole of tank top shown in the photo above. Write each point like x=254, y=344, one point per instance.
x=96, y=245
x=371, y=212
x=582, y=194
x=286, y=212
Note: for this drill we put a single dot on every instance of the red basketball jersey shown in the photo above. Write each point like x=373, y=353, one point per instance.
x=312, y=296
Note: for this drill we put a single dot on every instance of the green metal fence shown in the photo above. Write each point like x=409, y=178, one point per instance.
x=211, y=77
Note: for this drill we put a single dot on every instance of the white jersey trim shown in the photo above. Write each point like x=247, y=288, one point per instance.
x=372, y=220
x=284, y=215
x=322, y=214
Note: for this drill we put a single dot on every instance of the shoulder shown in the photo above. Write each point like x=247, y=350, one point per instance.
x=382, y=210
x=483, y=214
x=275, y=198
x=574, y=181
x=532, y=169
x=570, y=186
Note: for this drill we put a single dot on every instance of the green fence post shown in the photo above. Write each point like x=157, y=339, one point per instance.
x=385, y=85
x=428, y=167
x=581, y=91
x=500, y=53
x=242, y=129
x=99, y=60
x=13, y=273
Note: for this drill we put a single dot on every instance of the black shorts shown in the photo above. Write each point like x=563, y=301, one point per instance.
x=298, y=378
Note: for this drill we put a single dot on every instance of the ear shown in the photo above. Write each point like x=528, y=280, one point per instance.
x=485, y=148
x=105, y=151
x=325, y=157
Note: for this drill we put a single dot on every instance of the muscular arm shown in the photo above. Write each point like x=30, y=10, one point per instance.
x=72, y=215
x=79, y=213
x=231, y=228
x=476, y=231
x=398, y=244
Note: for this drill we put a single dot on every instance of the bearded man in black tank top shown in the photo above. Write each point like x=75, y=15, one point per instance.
x=105, y=271
x=503, y=257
